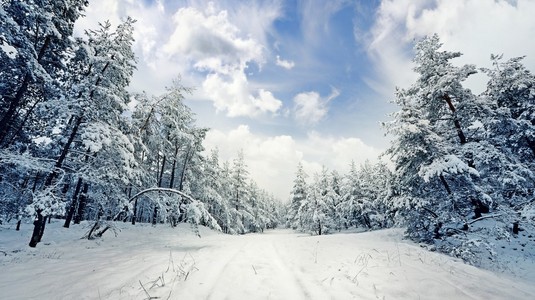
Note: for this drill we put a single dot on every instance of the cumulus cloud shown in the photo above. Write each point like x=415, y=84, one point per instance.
x=272, y=160
x=231, y=94
x=208, y=45
x=310, y=107
x=211, y=40
x=287, y=64
x=477, y=28
x=219, y=48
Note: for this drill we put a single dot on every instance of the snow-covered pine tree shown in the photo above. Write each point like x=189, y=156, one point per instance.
x=240, y=192
x=99, y=74
x=435, y=174
x=350, y=207
x=37, y=36
x=297, y=196
x=213, y=191
x=509, y=127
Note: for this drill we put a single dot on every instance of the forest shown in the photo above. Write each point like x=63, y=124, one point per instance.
x=76, y=144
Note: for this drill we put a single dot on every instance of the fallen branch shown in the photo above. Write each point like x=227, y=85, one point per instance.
x=484, y=217
x=161, y=190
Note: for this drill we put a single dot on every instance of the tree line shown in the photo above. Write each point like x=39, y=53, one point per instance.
x=463, y=169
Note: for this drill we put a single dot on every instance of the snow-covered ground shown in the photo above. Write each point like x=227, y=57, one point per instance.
x=173, y=263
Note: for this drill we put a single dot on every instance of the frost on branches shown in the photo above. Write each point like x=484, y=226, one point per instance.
x=464, y=171
x=75, y=143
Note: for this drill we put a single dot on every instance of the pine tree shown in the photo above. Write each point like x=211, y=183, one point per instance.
x=99, y=74
x=433, y=164
x=39, y=33
x=298, y=195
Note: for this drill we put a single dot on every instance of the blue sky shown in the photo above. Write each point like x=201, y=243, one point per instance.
x=309, y=81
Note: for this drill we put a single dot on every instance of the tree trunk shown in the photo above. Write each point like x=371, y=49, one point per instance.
x=173, y=169
x=15, y=103
x=18, y=225
x=531, y=145
x=184, y=166
x=42, y=229
x=37, y=177
x=456, y=123
x=134, y=213
x=73, y=205
x=445, y=183
x=155, y=215
x=64, y=152
x=17, y=131
x=7, y=118
x=516, y=229
x=37, y=223
x=82, y=201
x=160, y=176
x=436, y=231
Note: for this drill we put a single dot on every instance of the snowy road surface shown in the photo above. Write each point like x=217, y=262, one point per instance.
x=144, y=261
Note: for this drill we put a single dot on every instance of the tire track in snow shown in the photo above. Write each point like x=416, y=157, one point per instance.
x=246, y=267
x=288, y=281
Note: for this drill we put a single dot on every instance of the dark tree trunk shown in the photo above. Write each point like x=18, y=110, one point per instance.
x=531, y=145
x=155, y=215
x=42, y=229
x=37, y=177
x=64, y=152
x=18, y=225
x=173, y=168
x=74, y=203
x=456, y=123
x=184, y=166
x=82, y=202
x=445, y=183
x=160, y=176
x=37, y=223
x=15, y=103
x=516, y=229
x=134, y=213
x=438, y=226
x=17, y=131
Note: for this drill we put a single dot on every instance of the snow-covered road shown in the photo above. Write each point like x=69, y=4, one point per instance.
x=145, y=261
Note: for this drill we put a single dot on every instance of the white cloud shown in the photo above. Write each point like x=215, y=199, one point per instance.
x=206, y=44
x=217, y=46
x=340, y=151
x=266, y=102
x=231, y=94
x=211, y=40
x=477, y=28
x=287, y=64
x=256, y=17
x=272, y=160
x=310, y=107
